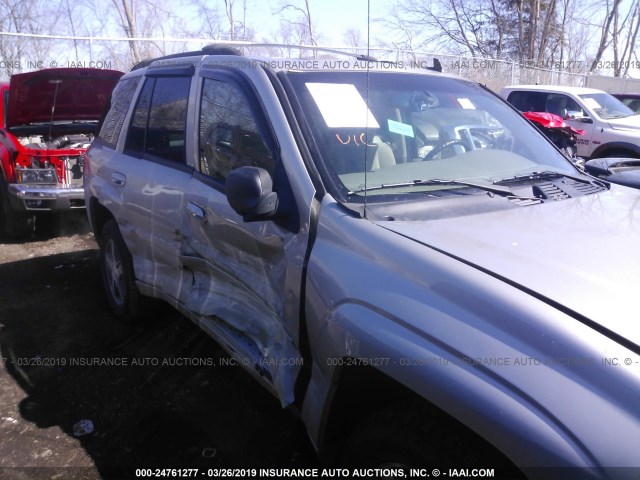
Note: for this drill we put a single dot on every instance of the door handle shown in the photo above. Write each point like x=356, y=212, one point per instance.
x=195, y=211
x=118, y=179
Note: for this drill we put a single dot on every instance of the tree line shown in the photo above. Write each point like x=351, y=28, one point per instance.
x=573, y=35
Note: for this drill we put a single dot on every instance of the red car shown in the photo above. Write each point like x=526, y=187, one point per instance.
x=556, y=129
x=47, y=120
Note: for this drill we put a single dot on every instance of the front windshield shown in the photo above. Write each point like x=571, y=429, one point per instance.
x=606, y=106
x=389, y=128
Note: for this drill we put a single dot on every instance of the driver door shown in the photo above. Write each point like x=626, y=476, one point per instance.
x=246, y=276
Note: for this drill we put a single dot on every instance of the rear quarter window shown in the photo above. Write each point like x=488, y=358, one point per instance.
x=120, y=102
x=528, y=101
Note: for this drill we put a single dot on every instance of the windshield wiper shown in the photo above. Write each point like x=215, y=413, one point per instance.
x=544, y=175
x=620, y=115
x=503, y=191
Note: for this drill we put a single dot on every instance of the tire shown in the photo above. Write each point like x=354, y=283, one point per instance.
x=15, y=225
x=118, y=278
x=408, y=436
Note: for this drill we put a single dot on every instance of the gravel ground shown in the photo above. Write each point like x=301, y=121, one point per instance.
x=157, y=393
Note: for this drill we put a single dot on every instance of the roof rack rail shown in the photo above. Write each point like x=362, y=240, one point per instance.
x=148, y=61
x=221, y=49
x=357, y=56
x=213, y=49
x=437, y=66
x=233, y=48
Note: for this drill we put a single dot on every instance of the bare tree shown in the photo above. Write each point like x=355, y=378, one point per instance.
x=630, y=45
x=398, y=34
x=125, y=10
x=301, y=20
x=211, y=24
x=291, y=34
x=624, y=36
x=574, y=37
x=22, y=16
x=352, y=38
x=136, y=19
x=477, y=27
x=611, y=12
x=232, y=25
x=72, y=27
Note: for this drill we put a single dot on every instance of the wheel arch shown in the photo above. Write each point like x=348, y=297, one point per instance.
x=98, y=216
x=613, y=149
x=474, y=400
x=363, y=391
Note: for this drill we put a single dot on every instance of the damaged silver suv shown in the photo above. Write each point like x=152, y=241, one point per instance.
x=397, y=255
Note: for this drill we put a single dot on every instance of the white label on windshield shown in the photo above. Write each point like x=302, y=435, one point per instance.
x=341, y=105
x=466, y=103
x=591, y=103
x=400, y=128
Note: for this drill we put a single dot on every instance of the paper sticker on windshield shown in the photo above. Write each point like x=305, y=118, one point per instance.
x=341, y=105
x=592, y=103
x=466, y=103
x=401, y=128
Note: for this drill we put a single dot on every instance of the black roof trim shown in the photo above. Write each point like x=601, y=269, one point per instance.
x=149, y=61
x=213, y=49
x=234, y=49
x=221, y=49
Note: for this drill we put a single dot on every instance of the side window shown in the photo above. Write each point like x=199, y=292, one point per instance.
x=228, y=135
x=528, y=101
x=121, y=100
x=562, y=105
x=159, y=119
x=134, y=145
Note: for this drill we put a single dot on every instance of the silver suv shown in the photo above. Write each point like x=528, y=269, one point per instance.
x=398, y=256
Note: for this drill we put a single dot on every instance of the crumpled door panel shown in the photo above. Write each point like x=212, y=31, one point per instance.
x=238, y=275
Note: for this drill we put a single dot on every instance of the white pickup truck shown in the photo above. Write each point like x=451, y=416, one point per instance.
x=611, y=129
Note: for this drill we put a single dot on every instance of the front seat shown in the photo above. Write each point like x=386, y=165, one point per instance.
x=384, y=156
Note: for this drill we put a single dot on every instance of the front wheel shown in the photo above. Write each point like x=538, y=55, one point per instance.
x=401, y=438
x=118, y=278
x=408, y=435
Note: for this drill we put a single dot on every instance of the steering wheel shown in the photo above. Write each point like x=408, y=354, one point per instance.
x=438, y=148
x=482, y=140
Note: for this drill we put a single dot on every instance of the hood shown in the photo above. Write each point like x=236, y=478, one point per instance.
x=581, y=252
x=73, y=94
x=627, y=123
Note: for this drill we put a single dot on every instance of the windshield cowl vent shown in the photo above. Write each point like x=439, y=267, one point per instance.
x=549, y=191
x=565, y=188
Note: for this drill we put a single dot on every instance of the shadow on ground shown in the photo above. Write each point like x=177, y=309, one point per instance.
x=156, y=392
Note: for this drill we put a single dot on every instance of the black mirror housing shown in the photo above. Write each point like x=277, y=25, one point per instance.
x=250, y=193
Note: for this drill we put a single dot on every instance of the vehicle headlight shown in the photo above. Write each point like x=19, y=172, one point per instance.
x=37, y=175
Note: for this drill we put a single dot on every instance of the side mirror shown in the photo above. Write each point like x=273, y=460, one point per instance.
x=250, y=193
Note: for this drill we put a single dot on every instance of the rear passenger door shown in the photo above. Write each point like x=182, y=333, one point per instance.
x=154, y=169
x=246, y=276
